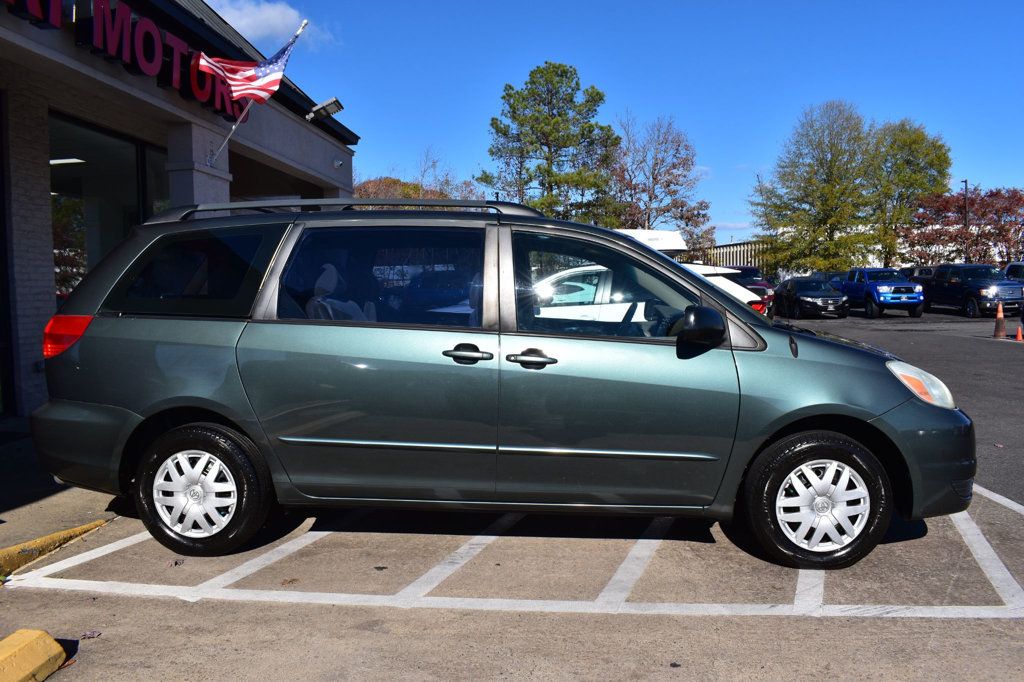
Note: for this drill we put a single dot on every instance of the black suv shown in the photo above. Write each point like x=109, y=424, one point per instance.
x=974, y=289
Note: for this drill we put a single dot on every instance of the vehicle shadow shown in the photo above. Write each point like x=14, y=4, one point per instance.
x=283, y=522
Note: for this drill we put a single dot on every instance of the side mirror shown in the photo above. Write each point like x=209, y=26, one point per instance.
x=701, y=328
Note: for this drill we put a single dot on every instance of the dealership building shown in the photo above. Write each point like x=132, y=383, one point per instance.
x=104, y=121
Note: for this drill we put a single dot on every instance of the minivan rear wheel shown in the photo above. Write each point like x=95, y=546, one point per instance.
x=818, y=499
x=202, y=491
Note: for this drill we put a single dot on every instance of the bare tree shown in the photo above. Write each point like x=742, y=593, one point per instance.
x=655, y=175
x=655, y=178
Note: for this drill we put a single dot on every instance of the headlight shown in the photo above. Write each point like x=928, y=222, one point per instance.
x=918, y=289
x=845, y=298
x=884, y=289
x=925, y=386
x=991, y=291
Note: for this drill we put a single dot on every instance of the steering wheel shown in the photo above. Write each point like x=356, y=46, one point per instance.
x=627, y=320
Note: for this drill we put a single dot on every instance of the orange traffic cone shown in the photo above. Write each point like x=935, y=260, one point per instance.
x=1000, y=332
x=1020, y=332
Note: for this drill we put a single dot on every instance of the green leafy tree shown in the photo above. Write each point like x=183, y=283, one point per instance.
x=551, y=152
x=905, y=164
x=811, y=210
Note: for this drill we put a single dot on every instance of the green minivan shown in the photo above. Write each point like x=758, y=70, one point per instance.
x=350, y=352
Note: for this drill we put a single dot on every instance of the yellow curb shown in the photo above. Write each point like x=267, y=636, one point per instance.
x=14, y=557
x=29, y=655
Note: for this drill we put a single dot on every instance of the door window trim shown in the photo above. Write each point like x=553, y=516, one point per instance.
x=265, y=310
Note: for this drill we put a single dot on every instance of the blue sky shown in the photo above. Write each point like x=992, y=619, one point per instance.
x=735, y=75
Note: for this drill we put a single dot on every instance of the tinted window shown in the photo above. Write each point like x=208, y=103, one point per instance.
x=203, y=273
x=884, y=276
x=815, y=285
x=981, y=272
x=942, y=274
x=386, y=276
x=1015, y=271
x=636, y=301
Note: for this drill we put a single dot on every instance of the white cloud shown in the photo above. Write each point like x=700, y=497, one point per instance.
x=269, y=23
x=732, y=226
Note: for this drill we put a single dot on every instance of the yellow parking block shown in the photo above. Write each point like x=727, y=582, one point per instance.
x=14, y=557
x=29, y=655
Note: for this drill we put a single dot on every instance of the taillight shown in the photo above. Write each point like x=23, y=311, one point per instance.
x=62, y=332
x=759, y=307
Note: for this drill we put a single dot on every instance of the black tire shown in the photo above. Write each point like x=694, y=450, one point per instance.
x=871, y=309
x=971, y=308
x=254, y=490
x=927, y=306
x=770, y=472
x=917, y=310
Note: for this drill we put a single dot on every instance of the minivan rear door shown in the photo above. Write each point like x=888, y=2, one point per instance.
x=374, y=367
x=603, y=412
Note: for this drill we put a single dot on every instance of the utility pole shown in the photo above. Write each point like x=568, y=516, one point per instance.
x=967, y=218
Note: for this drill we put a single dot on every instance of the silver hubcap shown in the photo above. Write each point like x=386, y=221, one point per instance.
x=195, y=493
x=823, y=505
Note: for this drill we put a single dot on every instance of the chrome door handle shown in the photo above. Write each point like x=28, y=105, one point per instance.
x=531, y=358
x=467, y=354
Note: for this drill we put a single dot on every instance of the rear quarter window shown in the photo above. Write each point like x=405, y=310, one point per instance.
x=204, y=273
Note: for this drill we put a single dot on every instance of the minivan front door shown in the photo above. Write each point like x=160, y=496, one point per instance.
x=604, y=413
x=378, y=375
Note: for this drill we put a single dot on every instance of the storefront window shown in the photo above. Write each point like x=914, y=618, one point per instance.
x=100, y=185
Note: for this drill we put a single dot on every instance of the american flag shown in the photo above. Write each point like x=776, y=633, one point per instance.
x=255, y=80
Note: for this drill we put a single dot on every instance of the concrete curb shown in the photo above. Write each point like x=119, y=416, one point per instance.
x=29, y=655
x=14, y=557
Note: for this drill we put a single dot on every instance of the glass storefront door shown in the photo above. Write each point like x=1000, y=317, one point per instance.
x=101, y=184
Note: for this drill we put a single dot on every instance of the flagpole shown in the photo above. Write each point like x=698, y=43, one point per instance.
x=212, y=158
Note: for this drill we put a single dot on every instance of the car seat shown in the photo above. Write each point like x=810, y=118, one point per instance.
x=328, y=302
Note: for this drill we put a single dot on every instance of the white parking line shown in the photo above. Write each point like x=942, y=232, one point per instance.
x=810, y=591
x=263, y=560
x=633, y=566
x=83, y=557
x=995, y=570
x=457, y=559
x=996, y=497
x=519, y=605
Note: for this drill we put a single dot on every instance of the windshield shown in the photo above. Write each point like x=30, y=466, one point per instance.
x=982, y=272
x=815, y=286
x=884, y=276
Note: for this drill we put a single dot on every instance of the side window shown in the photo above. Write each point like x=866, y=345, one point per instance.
x=942, y=274
x=207, y=273
x=638, y=302
x=1014, y=271
x=385, y=276
x=851, y=276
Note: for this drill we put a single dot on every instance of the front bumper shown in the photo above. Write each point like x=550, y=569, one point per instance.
x=938, y=448
x=811, y=308
x=1009, y=304
x=82, y=443
x=900, y=300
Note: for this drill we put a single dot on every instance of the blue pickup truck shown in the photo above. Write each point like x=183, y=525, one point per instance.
x=881, y=289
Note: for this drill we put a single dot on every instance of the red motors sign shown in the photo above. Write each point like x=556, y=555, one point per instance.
x=141, y=45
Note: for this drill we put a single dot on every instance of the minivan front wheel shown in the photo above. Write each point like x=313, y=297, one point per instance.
x=818, y=499
x=201, y=491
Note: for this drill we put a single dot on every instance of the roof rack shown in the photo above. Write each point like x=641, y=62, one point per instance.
x=502, y=208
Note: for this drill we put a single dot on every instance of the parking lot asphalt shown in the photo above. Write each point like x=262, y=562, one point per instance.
x=375, y=594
